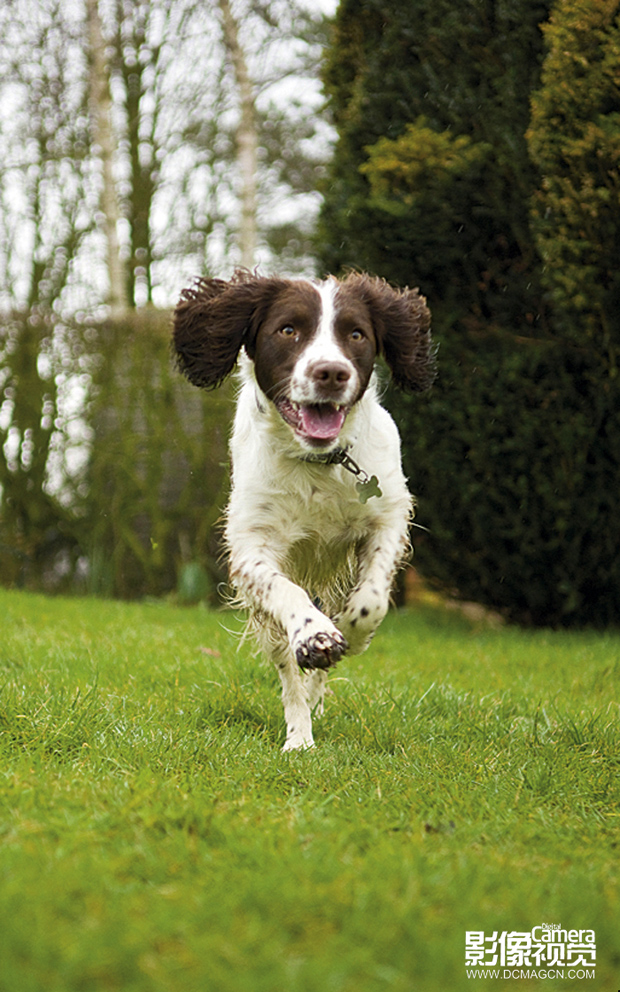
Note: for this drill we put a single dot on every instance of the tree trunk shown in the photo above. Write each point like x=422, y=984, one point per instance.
x=104, y=137
x=247, y=137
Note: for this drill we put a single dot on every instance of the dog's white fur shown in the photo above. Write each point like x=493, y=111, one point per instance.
x=280, y=503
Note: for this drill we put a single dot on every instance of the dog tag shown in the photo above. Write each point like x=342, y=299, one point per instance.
x=367, y=489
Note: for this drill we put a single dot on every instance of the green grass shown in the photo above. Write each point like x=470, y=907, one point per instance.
x=153, y=836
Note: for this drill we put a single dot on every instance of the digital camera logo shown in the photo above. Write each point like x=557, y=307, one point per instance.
x=547, y=951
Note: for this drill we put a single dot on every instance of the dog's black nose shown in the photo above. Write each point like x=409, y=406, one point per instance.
x=330, y=375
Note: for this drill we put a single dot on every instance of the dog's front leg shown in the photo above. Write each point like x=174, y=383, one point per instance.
x=305, y=639
x=314, y=640
x=301, y=694
x=369, y=601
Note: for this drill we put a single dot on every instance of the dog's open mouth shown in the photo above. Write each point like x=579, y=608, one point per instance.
x=318, y=423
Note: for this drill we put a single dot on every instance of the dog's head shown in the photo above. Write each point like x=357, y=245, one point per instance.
x=313, y=344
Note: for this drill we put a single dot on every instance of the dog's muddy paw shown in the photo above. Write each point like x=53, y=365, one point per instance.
x=321, y=651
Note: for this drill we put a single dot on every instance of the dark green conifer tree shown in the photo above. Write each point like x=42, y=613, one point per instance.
x=515, y=456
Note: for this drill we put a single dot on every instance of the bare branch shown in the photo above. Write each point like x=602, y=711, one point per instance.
x=247, y=137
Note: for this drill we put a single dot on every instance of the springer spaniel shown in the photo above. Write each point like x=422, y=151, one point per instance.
x=318, y=518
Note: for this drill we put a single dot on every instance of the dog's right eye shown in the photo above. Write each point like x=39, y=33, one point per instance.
x=288, y=331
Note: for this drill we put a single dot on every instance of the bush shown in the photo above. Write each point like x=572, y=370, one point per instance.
x=145, y=499
x=431, y=179
x=158, y=469
x=574, y=138
x=515, y=458
x=515, y=455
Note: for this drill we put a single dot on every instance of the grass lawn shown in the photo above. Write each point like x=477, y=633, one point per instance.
x=153, y=836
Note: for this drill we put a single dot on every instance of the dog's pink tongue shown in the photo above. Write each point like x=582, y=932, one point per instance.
x=322, y=422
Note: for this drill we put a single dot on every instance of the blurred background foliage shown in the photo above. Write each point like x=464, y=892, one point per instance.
x=477, y=157
x=157, y=473
x=469, y=148
x=145, y=142
x=148, y=480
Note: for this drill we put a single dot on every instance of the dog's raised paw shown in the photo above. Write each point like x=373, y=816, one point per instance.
x=321, y=650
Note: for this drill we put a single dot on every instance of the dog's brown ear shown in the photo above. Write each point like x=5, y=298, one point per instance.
x=214, y=319
x=402, y=323
x=206, y=341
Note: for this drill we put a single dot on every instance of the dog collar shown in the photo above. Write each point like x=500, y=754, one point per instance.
x=367, y=486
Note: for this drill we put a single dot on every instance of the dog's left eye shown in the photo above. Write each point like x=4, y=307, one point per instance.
x=357, y=335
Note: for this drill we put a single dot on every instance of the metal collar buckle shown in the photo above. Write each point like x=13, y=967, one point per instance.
x=367, y=486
